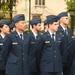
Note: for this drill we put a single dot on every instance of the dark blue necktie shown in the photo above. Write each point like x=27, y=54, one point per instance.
x=66, y=31
x=21, y=36
x=53, y=37
x=37, y=37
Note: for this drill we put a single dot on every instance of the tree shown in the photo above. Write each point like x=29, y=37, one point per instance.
x=71, y=9
x=70, y=4
x=6, y=7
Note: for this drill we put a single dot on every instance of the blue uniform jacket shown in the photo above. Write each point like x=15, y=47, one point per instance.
x=49, y=53
x=2, y=64
x=33, y=66
x=66, y=37
x=70, y=54
x=15, y=54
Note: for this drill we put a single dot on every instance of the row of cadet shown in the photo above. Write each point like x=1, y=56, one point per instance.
x=33, y=53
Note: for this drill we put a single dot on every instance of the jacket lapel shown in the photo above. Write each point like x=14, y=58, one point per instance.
x=48, y=36
x=62, y=31
x=1, y=39
x=57, y=38
x=69, y=33
x=32, y=35
x=18, y=39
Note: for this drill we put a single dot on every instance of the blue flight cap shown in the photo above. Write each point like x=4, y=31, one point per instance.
x=18, y=17
x=35, y=21
x=62, y=14
x=4, y=21
x=52, y=18
x=12, y=25
x=45, y=22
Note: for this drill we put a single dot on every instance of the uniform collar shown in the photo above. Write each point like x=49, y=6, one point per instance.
x=19, y=33
x=2, y=36
x=34, y=33
x=64, y=28
x=52, y=33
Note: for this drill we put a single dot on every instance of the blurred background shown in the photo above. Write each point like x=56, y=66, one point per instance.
x=37, y=8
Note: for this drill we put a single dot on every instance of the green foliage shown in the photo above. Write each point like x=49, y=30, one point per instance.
x=70, y=5
x=27, y=31
x=4, y=10
x=71, y=8
x=5, y=6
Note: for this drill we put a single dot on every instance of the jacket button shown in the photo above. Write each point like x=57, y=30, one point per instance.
x=54, y=51
x=54, y=56
x=23, y=58
x=23, y=53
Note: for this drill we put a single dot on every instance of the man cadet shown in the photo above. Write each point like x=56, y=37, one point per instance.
x=66, y=32
x=70, y=54
x=48, y=50
x=15, y=48
x=45, y=26
x=71, y=58
x=34, y=36
x=4, y=30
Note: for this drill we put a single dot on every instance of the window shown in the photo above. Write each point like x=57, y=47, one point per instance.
x=36, y=2
x=8, y=0
x=39, y=2
x=3, y=1
x=43, y=2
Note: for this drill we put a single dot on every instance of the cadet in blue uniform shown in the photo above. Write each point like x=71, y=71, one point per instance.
x=49, y=47
x=45, y=26
x=71, y=57
x=67, y=33
x=4, y=29
x=63, y=28
x=34, y=36
x=70, y=54
x=15, y=48
x=12, y=27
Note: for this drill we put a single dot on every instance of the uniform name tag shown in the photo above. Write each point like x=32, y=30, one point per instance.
x=1, y=43
x=32, y=42
x=14, y=43
x=47, y=41
x=73, y=36
x=62, y=34
x=59, y=41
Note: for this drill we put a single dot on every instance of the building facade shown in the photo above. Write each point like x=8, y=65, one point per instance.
x=39, y=8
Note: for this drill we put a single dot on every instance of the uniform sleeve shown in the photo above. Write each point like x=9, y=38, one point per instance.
x=63, y=51
x=71, y=51
x=39, y=49
x=69, y=54
x=6, y=48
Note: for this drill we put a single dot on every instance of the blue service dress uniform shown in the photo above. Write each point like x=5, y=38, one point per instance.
x=15, y=54
x=2, y=64
x=33, y=66
x=70, y=54
x=67, y=38
x=67, y=33
x=49, y=54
